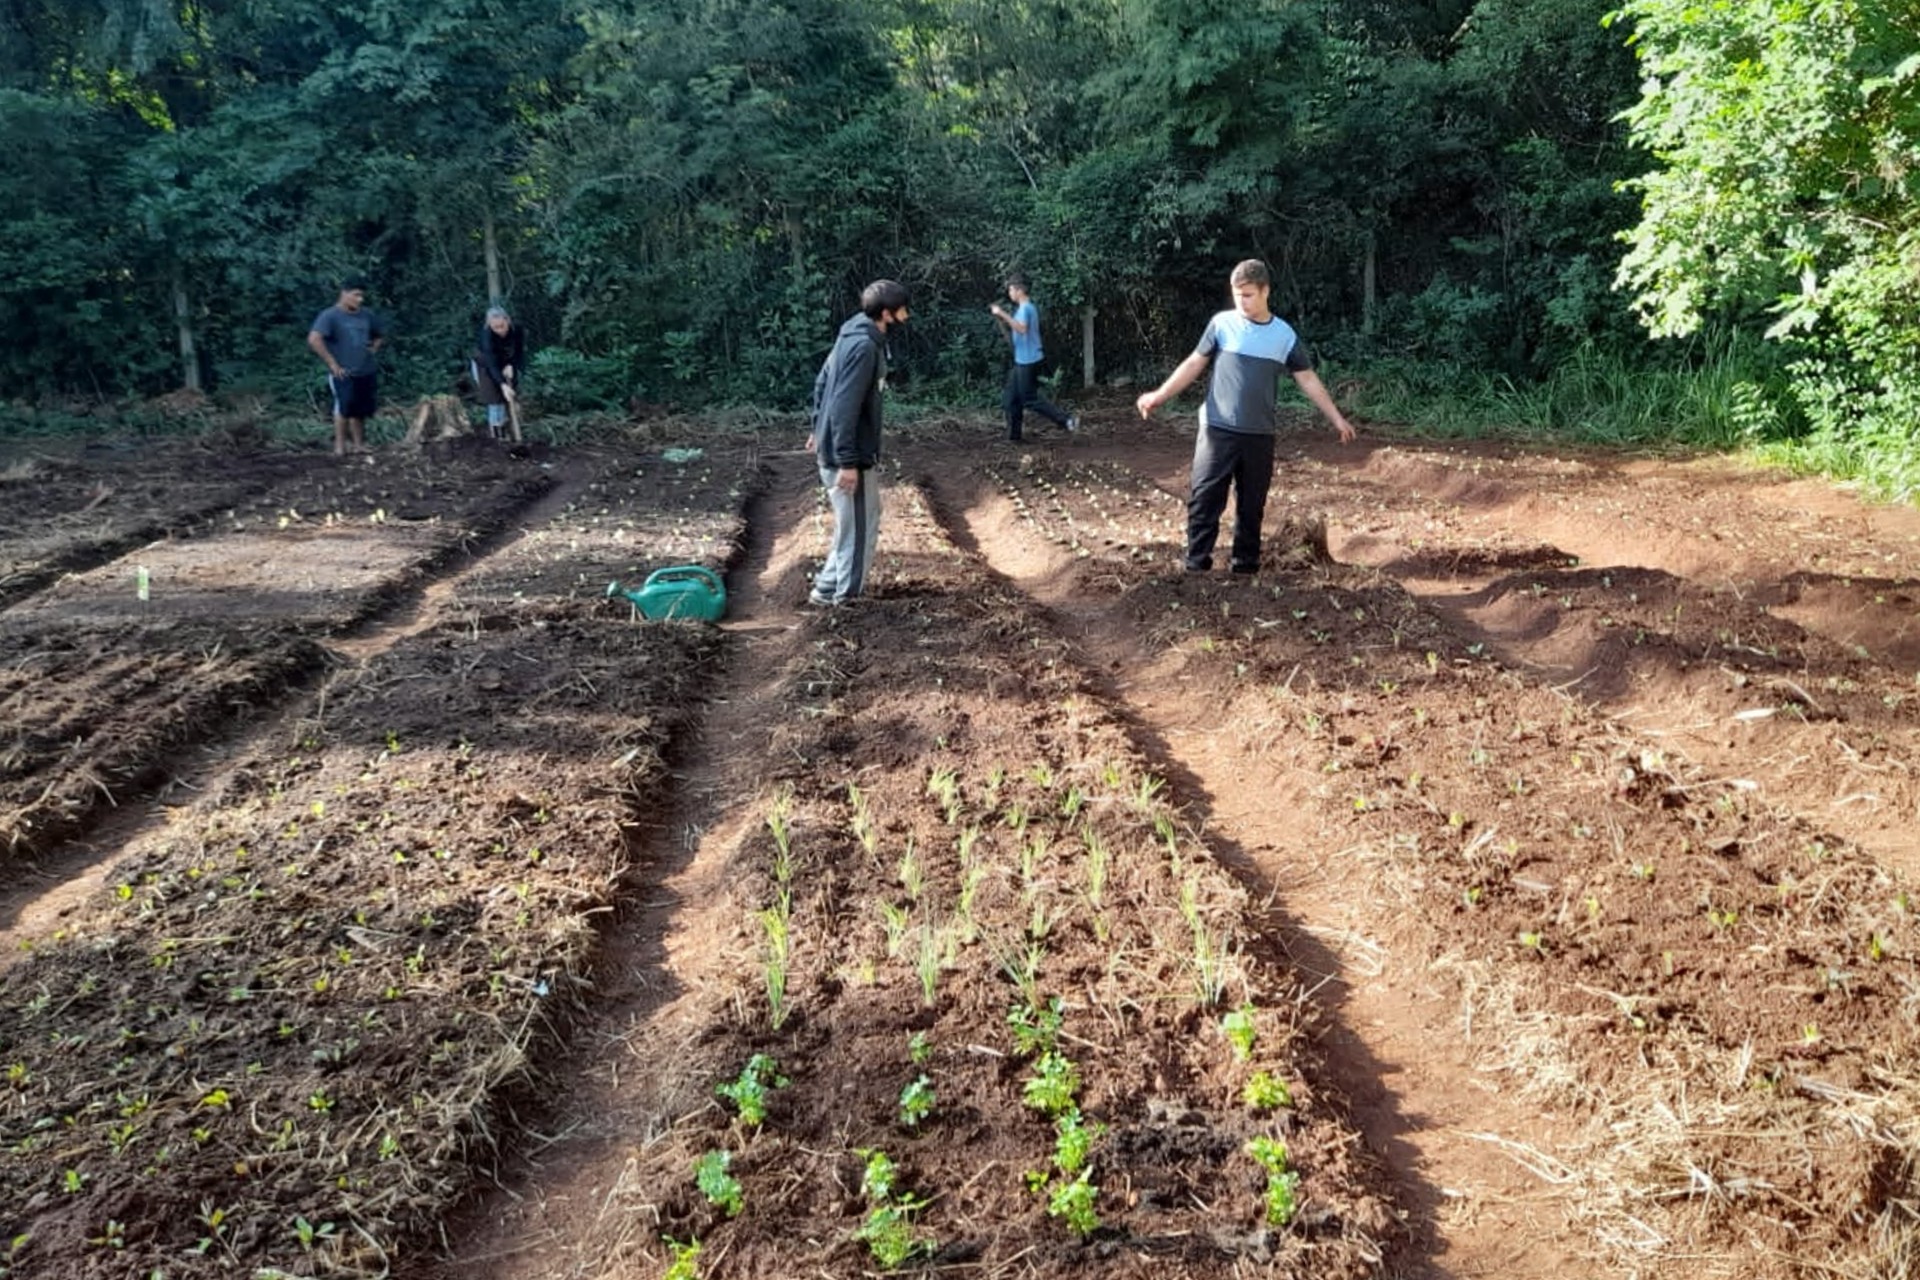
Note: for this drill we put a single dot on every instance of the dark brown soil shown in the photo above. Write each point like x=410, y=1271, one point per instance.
x=1550, y=819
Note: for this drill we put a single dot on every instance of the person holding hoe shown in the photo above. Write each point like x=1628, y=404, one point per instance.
x=1248, y=349
x=499, y=354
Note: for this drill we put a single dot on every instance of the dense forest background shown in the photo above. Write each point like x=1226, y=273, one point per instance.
x=1673, y=221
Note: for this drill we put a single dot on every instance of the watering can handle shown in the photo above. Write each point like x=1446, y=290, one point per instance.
x=684, y=571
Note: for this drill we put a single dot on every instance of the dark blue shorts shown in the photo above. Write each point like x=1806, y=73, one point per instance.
x=357, y=395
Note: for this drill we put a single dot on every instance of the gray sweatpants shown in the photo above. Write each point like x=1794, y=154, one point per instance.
x=856, y=525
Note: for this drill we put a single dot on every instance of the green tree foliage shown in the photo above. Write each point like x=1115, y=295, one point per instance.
x=1786, y=134
x=681, y=198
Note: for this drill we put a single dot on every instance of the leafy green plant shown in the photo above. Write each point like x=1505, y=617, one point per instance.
x=308, y=1234
x=1053, y=1084
x=877, y=1179
x=1240, y=1031
x=919, y=1049
x=889, y=1233
x=1265, y=1091
x=1073, y=1141
x=916, y=1102
x=1036, y=1029
x=685, y=1264
x=712, y=1173
x=1075, y=1201
x=749, y=1093
x=1283, y=1184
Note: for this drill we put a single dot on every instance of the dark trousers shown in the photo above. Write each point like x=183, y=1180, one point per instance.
x=1023, y=393
x=1220, y=459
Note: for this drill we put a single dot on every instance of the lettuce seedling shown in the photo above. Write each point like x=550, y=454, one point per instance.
x=720, y=1187
x=749, y=1093
x=916, y=1102
x=1265, y=1091
x=1240, y=1031
x=1283, y=1184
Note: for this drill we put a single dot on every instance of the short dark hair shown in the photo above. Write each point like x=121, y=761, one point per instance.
x=1252, y=271
x=1018, y=280
x=882, y=295
x=353, y=284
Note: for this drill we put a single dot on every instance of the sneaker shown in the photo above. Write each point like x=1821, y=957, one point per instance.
x=1073, y=423
x=819, y=601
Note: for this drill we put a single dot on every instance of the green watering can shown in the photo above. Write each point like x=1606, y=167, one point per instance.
x=679, y=591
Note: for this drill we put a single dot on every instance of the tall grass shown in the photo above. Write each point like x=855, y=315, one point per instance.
x=1721, y=391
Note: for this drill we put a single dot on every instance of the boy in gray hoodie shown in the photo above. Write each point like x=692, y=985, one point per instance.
x=846, y=439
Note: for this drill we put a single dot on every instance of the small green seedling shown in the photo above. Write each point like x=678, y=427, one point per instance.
x=1035, y=1030
x=1265, y=1091
x=1283, y=1184
x=889, y=1235
x=1074, y=1202
x=686, y=1260
x=1073, y=1142
x=916, y=1102
x=877, y=1180
x=308, y=1234
x=1051, y=1089
x=711, y=1174
x=1240, y=1031
x=750, y=1092
x=919, y=1049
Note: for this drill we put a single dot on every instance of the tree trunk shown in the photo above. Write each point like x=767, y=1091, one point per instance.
x=1086, y=345
x=1368, y=282
x=490, y=245
x=183, y=324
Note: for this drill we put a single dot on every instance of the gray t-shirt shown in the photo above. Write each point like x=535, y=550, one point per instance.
x=350, y=336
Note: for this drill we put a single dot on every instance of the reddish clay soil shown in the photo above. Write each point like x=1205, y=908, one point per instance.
x=1542, y=823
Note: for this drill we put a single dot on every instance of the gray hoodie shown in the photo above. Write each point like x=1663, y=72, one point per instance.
x=846, y=397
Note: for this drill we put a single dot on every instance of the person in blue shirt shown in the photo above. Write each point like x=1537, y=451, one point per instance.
x=1248, y=348
x=1023, y=379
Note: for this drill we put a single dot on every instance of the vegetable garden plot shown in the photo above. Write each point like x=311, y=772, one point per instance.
x=91, y=715
x=1722, y=990
x=641, y=512
x=285, y=1037
x=320, y=551
x=1724, y=993
x=58, y=517
x=998, y=1007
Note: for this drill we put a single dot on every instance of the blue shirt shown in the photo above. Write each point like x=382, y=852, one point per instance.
x=1248, y=360
x=1026, y=346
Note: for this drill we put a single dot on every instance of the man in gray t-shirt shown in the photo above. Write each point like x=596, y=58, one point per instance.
x=346, y=336
x=1249, y=350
